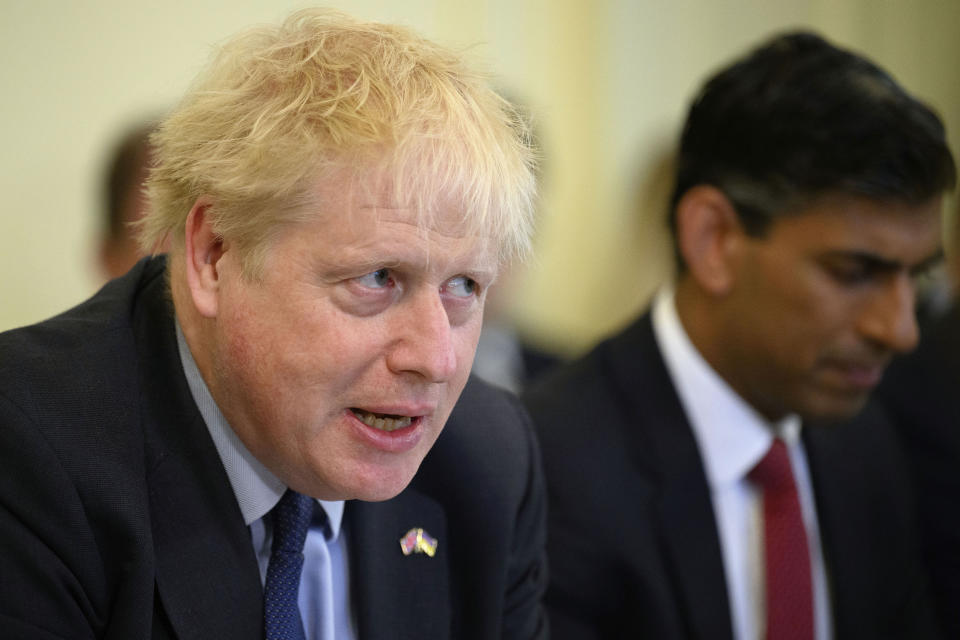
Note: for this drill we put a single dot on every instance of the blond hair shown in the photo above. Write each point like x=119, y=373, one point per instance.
x=281, y=106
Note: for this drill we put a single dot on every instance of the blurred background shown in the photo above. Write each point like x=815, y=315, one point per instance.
x=607, y=82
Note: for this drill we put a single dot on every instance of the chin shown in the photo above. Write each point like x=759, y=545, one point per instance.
x=381, y=492
x=377, y=485
x=834, y=408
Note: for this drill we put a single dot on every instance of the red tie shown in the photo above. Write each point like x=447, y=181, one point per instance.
x=789, y=590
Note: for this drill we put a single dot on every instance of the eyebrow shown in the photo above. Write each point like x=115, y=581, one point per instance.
x=482, y=272
x=879, y=263
x=340, y=270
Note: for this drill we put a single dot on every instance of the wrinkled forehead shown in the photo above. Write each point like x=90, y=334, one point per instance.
x=363, y=195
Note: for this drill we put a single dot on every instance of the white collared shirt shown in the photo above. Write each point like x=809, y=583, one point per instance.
x=324, y=596
x=732, y=438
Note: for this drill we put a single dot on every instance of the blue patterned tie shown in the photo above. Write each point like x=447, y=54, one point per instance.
x=281, y=613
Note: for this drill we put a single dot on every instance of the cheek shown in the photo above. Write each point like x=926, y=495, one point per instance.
x=275, y=355
x=465, y=347
x=812, y=337
x=466, y=338
x=784, y=325
x=310, y=339
x=345, y=341
x=791, y=291
x=822, y=314
x=798, y=302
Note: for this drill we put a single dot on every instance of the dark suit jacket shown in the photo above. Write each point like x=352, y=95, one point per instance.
x=117, y=519
x=922, y=392
x=632, y=540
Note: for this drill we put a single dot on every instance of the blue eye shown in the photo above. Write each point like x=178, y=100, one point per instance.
x=461, y=287
x=376, y=279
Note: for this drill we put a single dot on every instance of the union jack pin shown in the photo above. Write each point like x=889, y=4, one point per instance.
x=418, y=541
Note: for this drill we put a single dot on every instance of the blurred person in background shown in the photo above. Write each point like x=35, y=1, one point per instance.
x=124, y=200
x=716, y=470
x=249, y=437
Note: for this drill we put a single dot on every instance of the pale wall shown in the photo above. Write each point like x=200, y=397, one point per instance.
x=608, y=81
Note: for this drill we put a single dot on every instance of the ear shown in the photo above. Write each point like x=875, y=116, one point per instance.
x=710, y=238
x=203, y=250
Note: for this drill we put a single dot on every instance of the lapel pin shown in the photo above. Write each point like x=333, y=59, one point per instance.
x=418, y=541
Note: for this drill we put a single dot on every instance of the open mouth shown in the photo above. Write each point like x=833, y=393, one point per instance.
x=382, y=421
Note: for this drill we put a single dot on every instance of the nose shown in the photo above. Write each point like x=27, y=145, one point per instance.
x=424, y=343
x=890, y=318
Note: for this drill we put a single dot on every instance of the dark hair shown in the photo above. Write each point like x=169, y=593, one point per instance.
x=798, y=118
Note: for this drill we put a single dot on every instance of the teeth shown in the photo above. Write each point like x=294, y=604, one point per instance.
x=383, y=422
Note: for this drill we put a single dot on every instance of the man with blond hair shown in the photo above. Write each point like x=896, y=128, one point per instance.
x=227, y=441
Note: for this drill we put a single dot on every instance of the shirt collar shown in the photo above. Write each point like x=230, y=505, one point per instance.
x=257, y=489
x=731, y=435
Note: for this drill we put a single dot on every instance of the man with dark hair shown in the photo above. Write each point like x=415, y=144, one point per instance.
x=715, y=470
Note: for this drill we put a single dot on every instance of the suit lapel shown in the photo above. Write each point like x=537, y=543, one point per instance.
x=839, y=494
x=666, y=450
x=207, y=577
x=398, y=597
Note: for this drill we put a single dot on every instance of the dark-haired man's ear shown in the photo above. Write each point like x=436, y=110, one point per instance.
x=709, y=235
x=203, y=250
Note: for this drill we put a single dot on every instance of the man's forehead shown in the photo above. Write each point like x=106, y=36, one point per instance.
x=378, y=237
x=373, y=190
x=853, y=216
x=441, y=224
x=836, y=203
x=893, y=233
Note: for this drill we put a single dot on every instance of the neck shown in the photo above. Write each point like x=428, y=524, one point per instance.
x=195, y=327
x=701, y=318
x=716, y=335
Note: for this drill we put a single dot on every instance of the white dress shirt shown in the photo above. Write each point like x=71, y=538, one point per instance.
x=324, y=596
x=732, y=438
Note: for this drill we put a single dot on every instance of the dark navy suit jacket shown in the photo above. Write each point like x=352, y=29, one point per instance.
x=922, y=391
x=632, y=539
x=117, y=519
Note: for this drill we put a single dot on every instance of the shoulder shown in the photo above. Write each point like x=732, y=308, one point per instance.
x=76, y=352
x=488, y=439
x=867, y=516
x=485, y=472
x=69, y=385
x=865, y=439
x=70, y=401
x=72, y=482
x=481, y=402
x=609, y=367
x=861, y=457
x=601, y=422
x=589, y=404
x=919, y=389
x=80, y=364
x=937, y=356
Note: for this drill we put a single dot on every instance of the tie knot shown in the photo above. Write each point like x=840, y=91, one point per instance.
x=773, y=472
x=291, y=520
